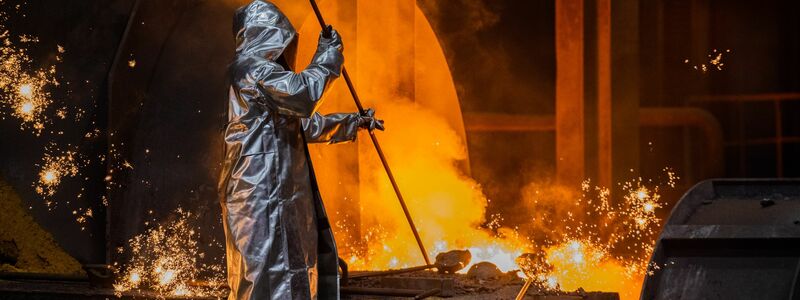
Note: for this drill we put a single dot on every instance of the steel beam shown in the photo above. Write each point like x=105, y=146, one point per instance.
x=604, y=141
x=569, y=92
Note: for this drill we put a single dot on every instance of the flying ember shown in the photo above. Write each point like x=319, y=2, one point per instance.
x=165, y=259
x=56, y=165
x=26, y=90
x=25, y=93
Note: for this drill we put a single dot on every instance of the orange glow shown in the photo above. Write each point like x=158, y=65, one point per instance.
x=579, y=235
x=580, y=264
x=425, y=149
x=425, y=145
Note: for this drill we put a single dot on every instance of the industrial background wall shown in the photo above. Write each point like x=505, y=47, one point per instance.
x=153, y=118
x=150, y=84
x=89, y=44
x=167, y=115
x=148, y=77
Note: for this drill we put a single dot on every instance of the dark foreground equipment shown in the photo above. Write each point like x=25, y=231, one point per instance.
x=722, y=242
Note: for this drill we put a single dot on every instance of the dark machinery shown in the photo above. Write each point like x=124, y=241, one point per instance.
x=730, y=239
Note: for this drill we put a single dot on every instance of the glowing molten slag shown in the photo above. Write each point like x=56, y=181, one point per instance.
x=502, y=257
x=449, y=209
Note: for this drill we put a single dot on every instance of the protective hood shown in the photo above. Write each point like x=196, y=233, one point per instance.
x=278, y=240
x=261, y=29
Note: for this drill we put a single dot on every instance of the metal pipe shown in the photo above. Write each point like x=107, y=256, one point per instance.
x=390, y=272
x=524, y=290
x=648, y=117
x=746, y=97
x=695, y=117
x=374, y=139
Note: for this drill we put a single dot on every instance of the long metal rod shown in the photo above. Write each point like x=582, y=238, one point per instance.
x=389, y=272
x=377, y=146
x=524, y=290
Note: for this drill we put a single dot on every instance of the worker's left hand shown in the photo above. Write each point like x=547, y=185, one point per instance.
x=368, y=121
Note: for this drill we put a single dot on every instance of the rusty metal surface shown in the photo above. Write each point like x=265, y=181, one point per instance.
x=730, y=239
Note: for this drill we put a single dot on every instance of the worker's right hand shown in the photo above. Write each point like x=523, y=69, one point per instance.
x=333, y=40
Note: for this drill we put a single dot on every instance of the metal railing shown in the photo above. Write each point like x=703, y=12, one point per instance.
x=699, y=119
x=778, y=139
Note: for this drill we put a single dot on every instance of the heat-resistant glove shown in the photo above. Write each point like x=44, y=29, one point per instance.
x=368, y=121
x=329, y=37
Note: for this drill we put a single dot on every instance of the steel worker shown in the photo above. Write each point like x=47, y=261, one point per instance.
x=278, y=240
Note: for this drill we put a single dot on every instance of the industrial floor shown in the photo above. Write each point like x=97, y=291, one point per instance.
x=450, y=286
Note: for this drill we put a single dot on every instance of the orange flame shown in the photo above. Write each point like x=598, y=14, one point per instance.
x=426, y=150
x=580, y=264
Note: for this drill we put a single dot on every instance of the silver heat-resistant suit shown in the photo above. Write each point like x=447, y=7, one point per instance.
x=278, y=239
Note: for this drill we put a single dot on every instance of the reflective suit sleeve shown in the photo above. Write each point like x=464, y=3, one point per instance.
x=332, y=128
x=296, y=94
